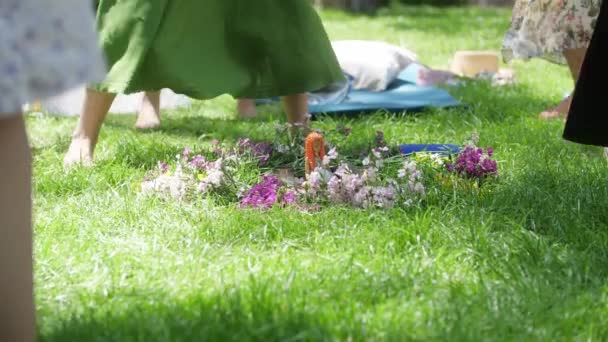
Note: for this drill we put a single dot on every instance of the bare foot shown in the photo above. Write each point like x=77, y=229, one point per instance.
x=147, y=118
x=80, y=152
x=559, y=111
x=246, y=108
x=149, y=114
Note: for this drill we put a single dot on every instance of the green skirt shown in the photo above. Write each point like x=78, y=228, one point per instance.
x=206, y=48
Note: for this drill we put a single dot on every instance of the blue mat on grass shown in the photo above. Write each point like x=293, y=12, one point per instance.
x=402, y=95
x=444, y=149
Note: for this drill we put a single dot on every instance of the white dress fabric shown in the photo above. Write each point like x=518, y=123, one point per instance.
x=46, y=47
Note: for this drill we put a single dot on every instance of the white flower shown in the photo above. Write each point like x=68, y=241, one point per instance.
x=203, y=187
x=173, y=186
x=384, y=197
x=313, y=183
x=215, y=177
x=147, y=187
x=352, y=182
x=178, y=188
x=410, y=166
x=474, y=139
x=333, y=153
x=342, y=170
x=437, y=159
x=361, y=198
x=369, y=175
x=419, y=188
x=366, y=161
x=281, y=148
x=401, y=173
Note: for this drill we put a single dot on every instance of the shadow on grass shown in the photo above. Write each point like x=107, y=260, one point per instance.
x=234, y=316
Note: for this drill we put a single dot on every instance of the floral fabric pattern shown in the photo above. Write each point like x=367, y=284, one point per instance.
x=545, y=28
x=46, y=47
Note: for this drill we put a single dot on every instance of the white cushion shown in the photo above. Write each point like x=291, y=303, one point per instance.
x=372, y=64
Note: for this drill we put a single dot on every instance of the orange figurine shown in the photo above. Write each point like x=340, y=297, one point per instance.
x=315, y=152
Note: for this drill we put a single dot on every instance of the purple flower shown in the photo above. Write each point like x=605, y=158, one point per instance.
x=261, y=150
x=335, y=191
x=164, y=168
x=384, y=197
x=473, y=163
x=199, y=162
x=262, y=195
x=186, y=153
x=289, y=198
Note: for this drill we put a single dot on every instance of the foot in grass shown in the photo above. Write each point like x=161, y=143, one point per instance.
x=149, y=114
x=148, y=118
x=559, y=111
x=79, y=153
x=246, y=108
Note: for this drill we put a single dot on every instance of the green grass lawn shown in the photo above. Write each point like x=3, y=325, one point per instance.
x=527, y=262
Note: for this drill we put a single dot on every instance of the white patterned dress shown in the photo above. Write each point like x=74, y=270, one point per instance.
x=46, y=47
x=545, y=28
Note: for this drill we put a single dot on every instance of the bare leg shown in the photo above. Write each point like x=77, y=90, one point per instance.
x=246, y=108
x=94, y=111
x=149, y=114
x=17, y=310
x=296, y=107
x=575, y=58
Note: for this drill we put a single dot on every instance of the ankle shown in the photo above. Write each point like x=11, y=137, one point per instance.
x=302, y=120
x=82, y=137
x=300, y=126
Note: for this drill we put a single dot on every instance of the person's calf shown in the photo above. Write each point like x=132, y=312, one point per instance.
x=95, y=108
x=296, y=108
x=17, y=313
